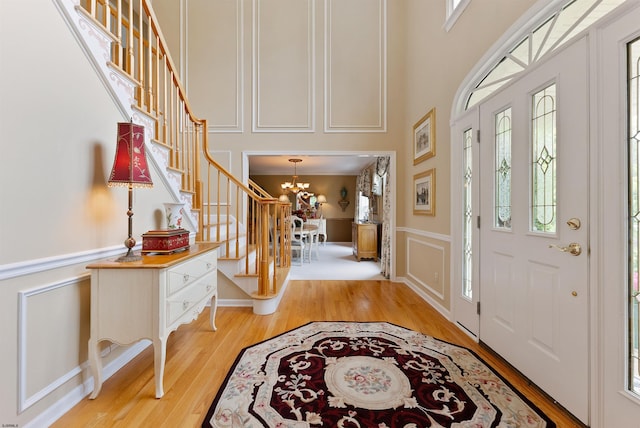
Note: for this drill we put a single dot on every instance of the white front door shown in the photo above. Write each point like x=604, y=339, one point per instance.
x=617, y=405
x=533, y=254
x=466, y=294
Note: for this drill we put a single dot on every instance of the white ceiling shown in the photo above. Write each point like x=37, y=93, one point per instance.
x=310, y=165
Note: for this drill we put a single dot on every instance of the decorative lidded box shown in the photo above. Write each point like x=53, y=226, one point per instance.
x=165, y=241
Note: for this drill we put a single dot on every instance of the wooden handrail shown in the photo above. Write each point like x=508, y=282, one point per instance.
x=246, y=219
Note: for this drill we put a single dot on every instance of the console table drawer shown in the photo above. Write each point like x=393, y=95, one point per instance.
x=180, y=303
x=185, y=273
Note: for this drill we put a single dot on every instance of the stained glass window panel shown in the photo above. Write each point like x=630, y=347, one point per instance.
x=544, y=165
x=467, y=273
x=633, y=60
x=502, y=216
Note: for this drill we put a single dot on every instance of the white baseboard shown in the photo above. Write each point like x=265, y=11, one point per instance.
x=425, y=296
x=77, y=394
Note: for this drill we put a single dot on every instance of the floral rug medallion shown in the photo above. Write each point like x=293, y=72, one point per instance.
x=356, y=375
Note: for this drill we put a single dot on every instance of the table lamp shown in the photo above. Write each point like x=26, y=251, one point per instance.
x=130, y=169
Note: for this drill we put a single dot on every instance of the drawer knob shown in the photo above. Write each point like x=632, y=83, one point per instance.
x=185, y=277
x=208, y=265
x=208, y=287
x=185, y=305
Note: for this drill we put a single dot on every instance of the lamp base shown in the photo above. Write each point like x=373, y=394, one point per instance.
x=129, y=257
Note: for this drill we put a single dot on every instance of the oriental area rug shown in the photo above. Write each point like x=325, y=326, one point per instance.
x=357, y=375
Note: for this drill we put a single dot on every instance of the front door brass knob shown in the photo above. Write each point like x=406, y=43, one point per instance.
x=574, y=223
x=574, y=248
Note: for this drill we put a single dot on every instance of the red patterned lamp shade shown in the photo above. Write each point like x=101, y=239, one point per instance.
x=130, y=166
x=130, y=169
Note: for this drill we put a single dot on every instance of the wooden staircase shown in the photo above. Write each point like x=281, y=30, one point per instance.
x=124, y=43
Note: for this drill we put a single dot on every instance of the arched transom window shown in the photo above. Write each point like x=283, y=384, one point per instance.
x=554, y=25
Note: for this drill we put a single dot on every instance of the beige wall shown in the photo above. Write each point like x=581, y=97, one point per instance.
x=424, y=68
x=328, y=185
x=56, y=117
x=58, y=140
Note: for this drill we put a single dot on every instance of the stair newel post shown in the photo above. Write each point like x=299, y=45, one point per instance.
x=201, y=129
x=272, y=213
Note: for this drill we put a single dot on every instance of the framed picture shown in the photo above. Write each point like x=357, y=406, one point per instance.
x=424, y=137
x=424, y=192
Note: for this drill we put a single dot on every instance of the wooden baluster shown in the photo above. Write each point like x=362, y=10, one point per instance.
x=118, y=44
x=141, y=59
x=165, y=102
x=130, y=58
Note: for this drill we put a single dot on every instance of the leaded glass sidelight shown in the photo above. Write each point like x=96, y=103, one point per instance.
x=544, y=165
x=467, y=268
x=502, y=141
x=633, y=70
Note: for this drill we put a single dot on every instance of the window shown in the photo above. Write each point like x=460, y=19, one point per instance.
x=543, y=156
x=560, y=26
x=454, y=10
x=467, y=261
x=502, y=141
x=633, y=144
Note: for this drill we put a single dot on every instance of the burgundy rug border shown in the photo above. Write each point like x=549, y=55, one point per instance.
x=212, y=407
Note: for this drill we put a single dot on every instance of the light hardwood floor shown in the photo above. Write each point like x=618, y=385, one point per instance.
x=198, y=359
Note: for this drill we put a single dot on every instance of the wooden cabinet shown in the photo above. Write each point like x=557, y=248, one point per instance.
x=149, y=299
x=364, y=238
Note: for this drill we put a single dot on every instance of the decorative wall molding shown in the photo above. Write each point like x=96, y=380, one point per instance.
x=425, y=234
x=426, y=297
x=424, y=282
x=359, y=119
x=25, y=401
x=266, y=77
x=29, y=267
x=217, y=122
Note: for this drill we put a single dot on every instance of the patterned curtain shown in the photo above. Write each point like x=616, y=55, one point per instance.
x=363, y=184
x=382, y=169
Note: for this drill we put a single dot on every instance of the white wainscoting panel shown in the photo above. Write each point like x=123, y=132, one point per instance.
x=42, y=312
x=355, y=66
x=426, y=266
x=283, y=65
x=215, y=62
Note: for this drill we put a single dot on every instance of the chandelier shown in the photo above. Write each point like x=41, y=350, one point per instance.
x=294, y=186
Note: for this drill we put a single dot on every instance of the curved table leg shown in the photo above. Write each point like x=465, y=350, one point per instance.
x=160, y=355
x=96, y=367
x=213, y=310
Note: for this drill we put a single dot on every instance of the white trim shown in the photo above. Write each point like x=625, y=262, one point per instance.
x=77, y=394
x=311, y=64
x=238, y=126
x=425, y=234
x=424, y=285
x=529, y=20
x=382, y=120
x=25, y=402
x=13, y=270
x=454, y=13
x=63, y=405
x=424, y=296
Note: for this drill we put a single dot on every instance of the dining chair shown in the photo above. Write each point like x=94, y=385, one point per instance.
x=314, y=237
x=297, y=242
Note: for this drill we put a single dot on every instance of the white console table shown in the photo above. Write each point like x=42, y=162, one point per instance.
x=149, y=299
